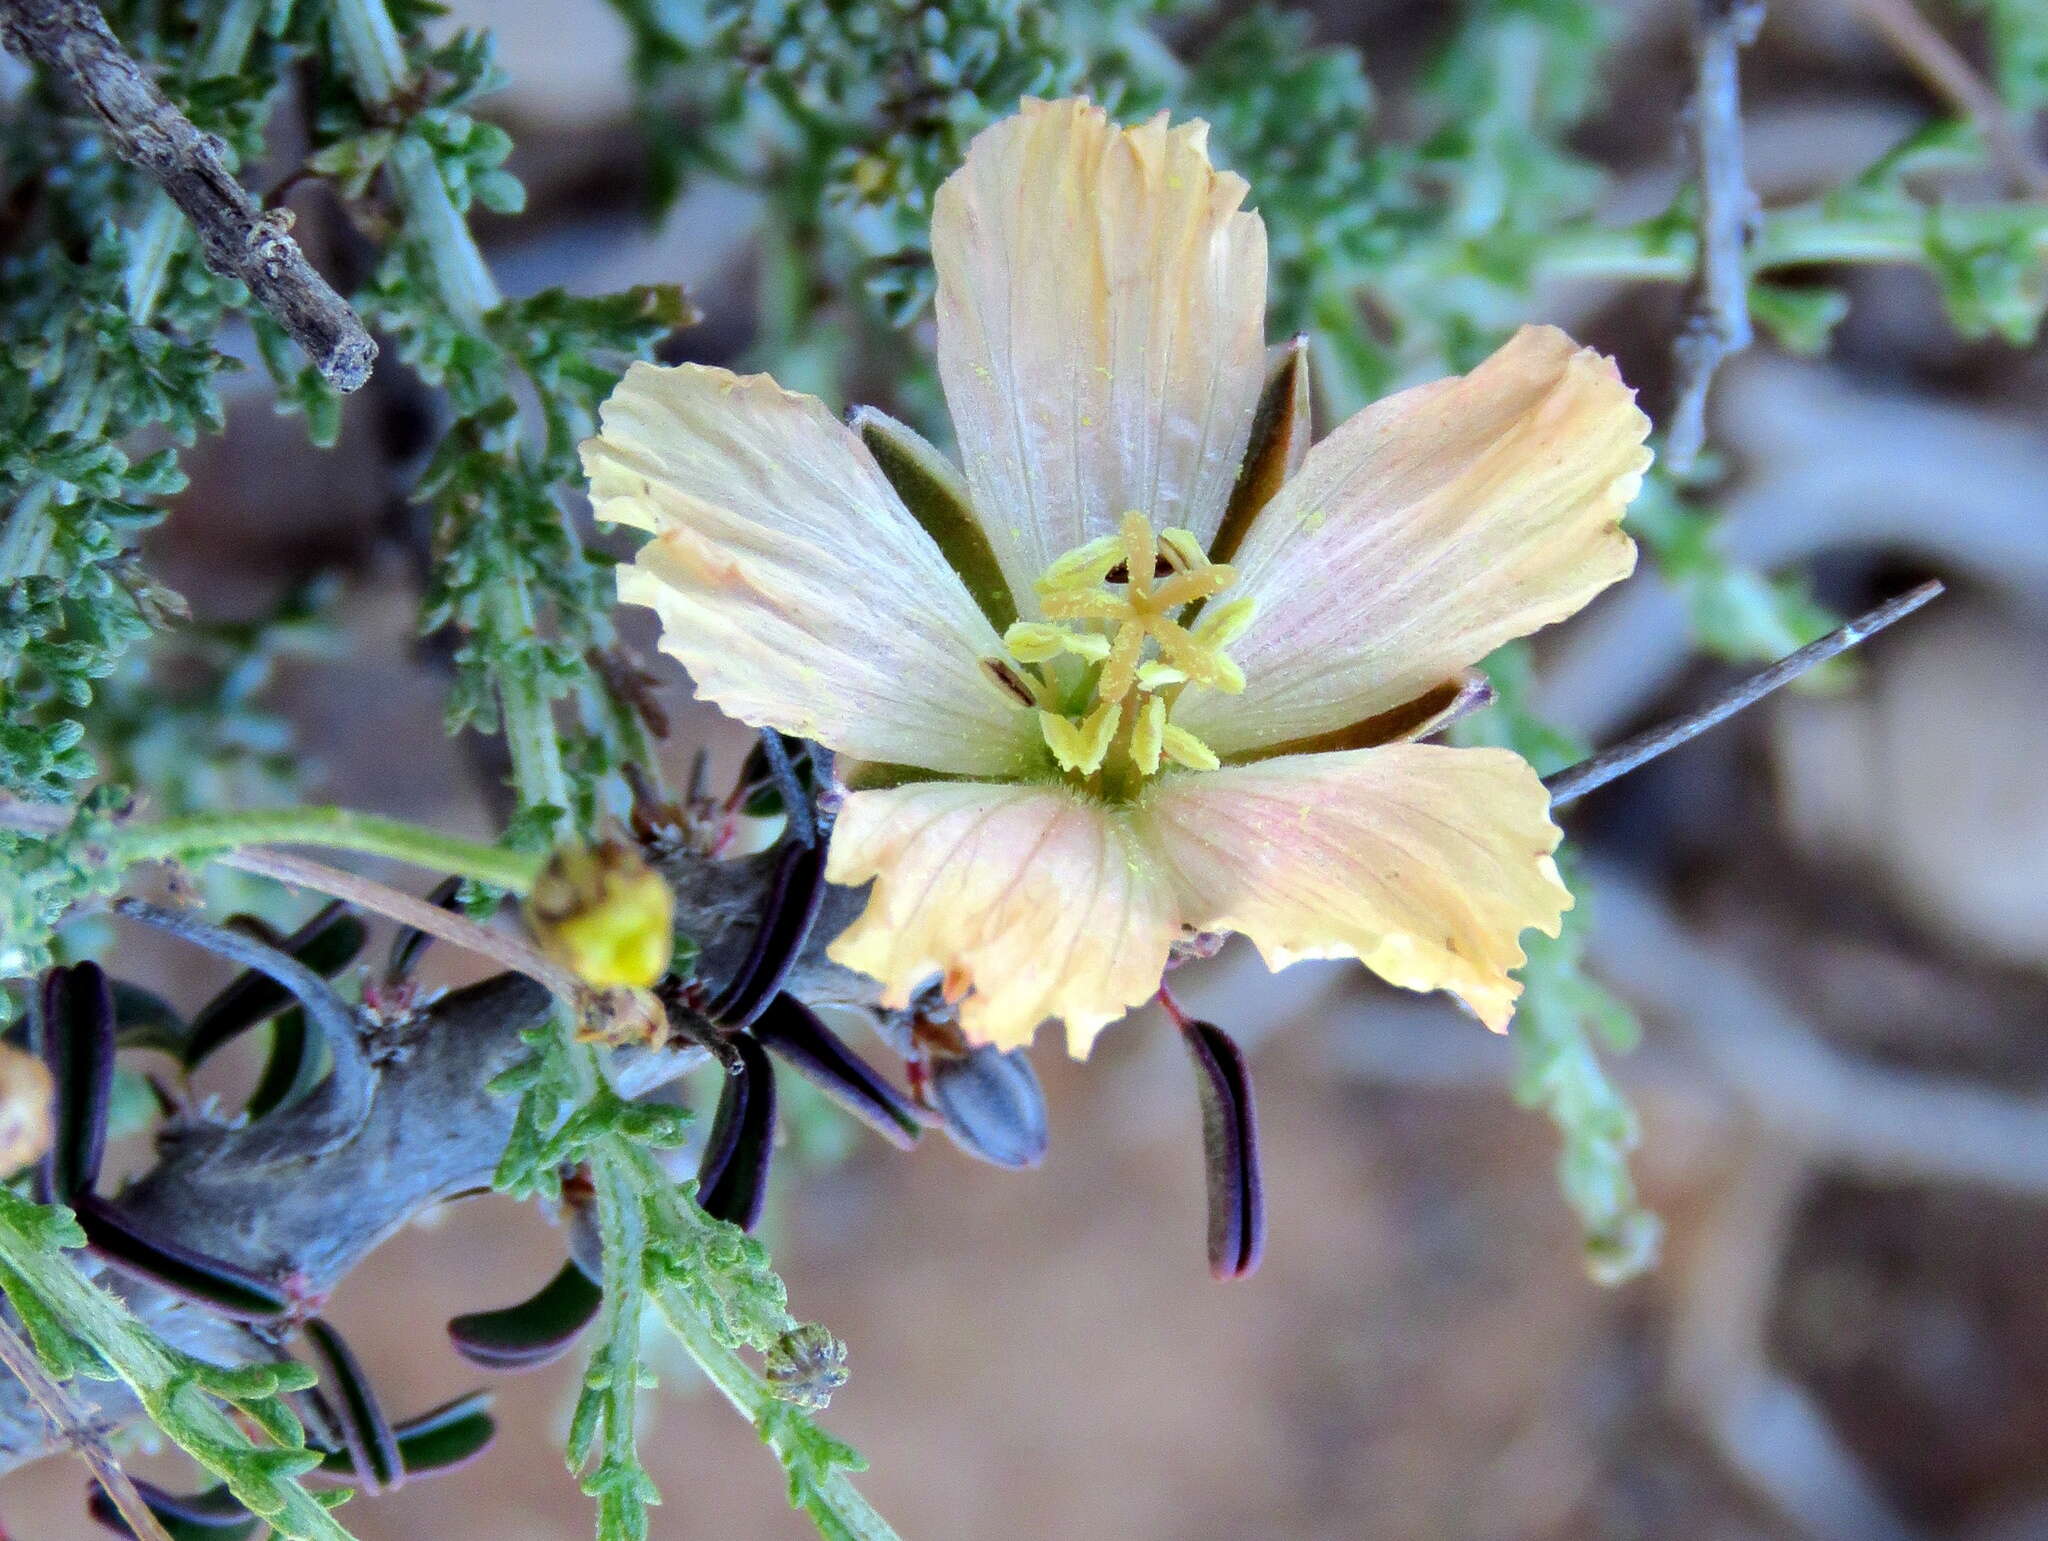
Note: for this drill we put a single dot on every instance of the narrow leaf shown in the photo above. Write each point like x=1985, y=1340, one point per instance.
x=451, y=1435
x=372, y=1446
x=73, y=1030
x=534, y=1332
x=292, y=1069
x=792, y=1030
x=221, y=1286
x=798, y=891
x=214, y=1515
x=733, y=1181
x=145, y=1020
x=1230, y=1152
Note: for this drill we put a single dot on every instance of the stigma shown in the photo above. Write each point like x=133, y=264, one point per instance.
x=1120, y=642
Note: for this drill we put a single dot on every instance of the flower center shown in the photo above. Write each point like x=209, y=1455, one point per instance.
x=1105, y=667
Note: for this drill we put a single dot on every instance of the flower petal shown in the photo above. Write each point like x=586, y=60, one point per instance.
x=1101, y=316
x=1425, y=532
x=790, y=579
x=1038, y=898
x=1423, y=862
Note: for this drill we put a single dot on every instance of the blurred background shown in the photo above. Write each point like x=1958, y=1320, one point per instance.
x=1832, y=916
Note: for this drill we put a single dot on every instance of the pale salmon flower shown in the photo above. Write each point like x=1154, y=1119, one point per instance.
x=1167, y=674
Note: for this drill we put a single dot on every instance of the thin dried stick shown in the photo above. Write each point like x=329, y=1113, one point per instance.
x=240, y=240
x=1575, y=781
x=1942, y=66
x=79, y=1429
x=1717, y=319
x=458, y=930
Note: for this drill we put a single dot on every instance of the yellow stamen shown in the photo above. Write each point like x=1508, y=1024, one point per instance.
x=1038, y=642
x=1141, y=553
x=1116, y=602
x=1183, y=550
x=1073, y=605
x=1083, y=567
x=1183, y=748
x=1121, y=669
x=1148, y=736
x=1082, y=746
x=1033, y=641
x=1225, y=624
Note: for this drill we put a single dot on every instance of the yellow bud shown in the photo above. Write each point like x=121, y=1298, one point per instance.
x=26, y=1093
x=602, y=912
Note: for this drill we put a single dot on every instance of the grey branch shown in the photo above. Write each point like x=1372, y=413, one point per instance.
x=1575, y=781
x=1717, y=319
x=240, y=240
x=281, y=1198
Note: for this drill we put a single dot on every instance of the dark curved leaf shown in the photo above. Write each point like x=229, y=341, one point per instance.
x=449, y=1436
x=1230, y=1152
x=992, y=1105
x=794, y=1032
x=73, y=1030
x=214, y=1515
x=798, y=891
x=145, y=1020
x=326, y=944
x=371, y=1445
x=293, y=1068
x=733, y=1181
x=534, y=1332
x=777, y=774
x=221, y=1286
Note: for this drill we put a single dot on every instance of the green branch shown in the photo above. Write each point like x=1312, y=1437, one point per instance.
x=1661, y=249
x=79, y=1329
x=822, y=1489
x=197, y=836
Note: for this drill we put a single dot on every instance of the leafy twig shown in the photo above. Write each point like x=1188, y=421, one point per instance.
x=240, y=240
x=1717, y=323
x=81, y=1329
x=337, y=829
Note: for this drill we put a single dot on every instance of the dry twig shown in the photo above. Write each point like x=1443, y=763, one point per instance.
x=1717, y=320
x=78, y=1428
x=1942, y=66
x=240, y=240
x=1575, y=781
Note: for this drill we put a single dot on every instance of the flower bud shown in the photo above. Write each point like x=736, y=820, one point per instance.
x=992, y=1105
x=602, y=912
x=26, y=1092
